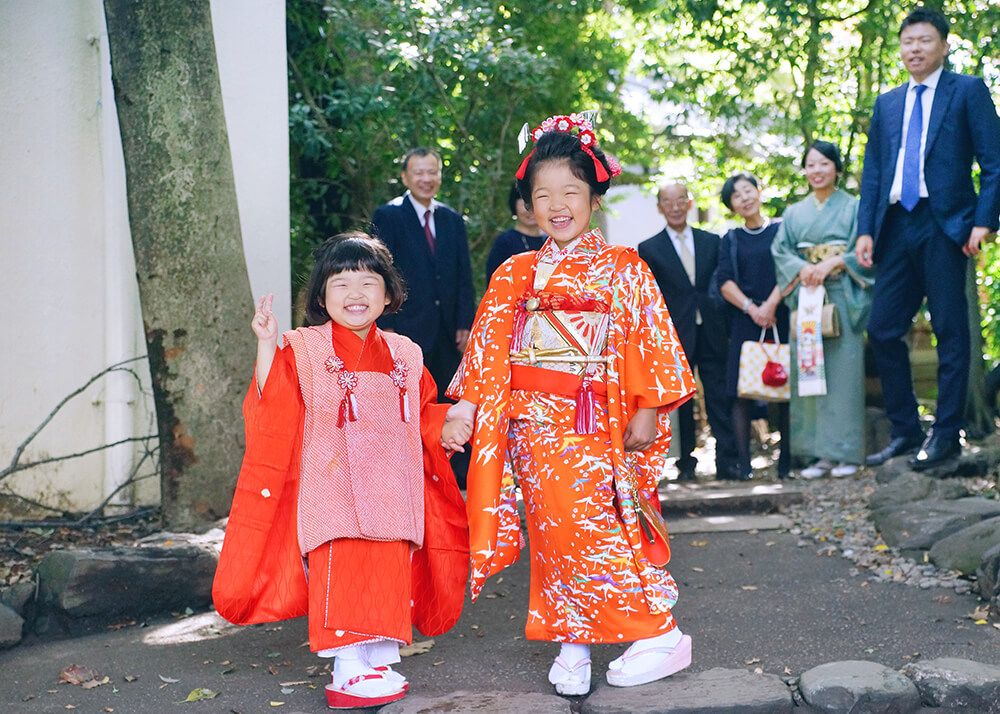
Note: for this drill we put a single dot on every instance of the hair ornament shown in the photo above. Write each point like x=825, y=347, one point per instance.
x=580, y=124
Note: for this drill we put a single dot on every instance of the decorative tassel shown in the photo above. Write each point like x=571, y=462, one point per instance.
x=586, y=419
x=404, y=405
x=352, y=407
x=342, y=413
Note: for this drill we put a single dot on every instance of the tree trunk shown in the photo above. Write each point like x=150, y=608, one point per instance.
x=192, y=274
x=979, y=409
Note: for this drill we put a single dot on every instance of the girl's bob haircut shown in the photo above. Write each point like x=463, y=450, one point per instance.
x=351, y=250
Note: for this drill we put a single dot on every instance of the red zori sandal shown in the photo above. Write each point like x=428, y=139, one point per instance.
x=366, y=690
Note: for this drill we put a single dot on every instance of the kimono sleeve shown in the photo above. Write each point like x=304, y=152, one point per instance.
x=486, y=356
x=784, y=250
x=656, y=372
x=260, y=577
x=431, y=413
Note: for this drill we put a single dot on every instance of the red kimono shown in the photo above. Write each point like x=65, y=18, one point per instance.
x=343, y=587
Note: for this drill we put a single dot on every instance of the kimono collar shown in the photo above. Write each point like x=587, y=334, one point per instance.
x=590, y=242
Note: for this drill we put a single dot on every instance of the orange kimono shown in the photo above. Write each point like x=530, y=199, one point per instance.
x=566, y=346
x=353, y=589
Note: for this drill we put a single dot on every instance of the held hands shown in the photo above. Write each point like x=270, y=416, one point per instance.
x=458, y=425
x=863, y=250
x=264, y=324
x=455, y=434
x=641, y=430
x=763, y=315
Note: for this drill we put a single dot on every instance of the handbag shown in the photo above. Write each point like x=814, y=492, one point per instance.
x=830, y=325
x=764, y=370
x=655, y=537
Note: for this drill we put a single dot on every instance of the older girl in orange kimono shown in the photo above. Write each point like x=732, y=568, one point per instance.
x=343, y=442
x=572, y=367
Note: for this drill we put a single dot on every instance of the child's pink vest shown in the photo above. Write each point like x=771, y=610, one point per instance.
x=364, y=479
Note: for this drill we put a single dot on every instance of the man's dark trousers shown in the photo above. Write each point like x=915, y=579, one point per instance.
x=711, y=366
x=914, y=259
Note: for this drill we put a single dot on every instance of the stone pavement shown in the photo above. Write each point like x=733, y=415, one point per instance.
x=752, y=601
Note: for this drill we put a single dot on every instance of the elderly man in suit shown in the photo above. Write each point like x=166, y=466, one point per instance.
x=430, y=249
x=919, y=221
x=682, y=260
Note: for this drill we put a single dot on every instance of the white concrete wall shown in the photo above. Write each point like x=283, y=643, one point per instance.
x=70, y=303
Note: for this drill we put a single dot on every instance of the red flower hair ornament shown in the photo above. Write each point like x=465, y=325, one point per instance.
x=581, y=126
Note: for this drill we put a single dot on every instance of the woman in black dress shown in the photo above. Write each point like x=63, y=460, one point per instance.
x=747, y=281
x=523, y=237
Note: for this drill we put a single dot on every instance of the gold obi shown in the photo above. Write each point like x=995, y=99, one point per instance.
x=818, y=252
x=573, y=341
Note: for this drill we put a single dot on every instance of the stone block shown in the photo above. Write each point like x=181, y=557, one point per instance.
x=957, y=684
x=858, y=687
x=110, y=582
x=11, y=627
x=486, y=702
x=715, y=691
x=18, y=597
x=919, y=525
x=988, y=574
x=963, y=551
x=909, y=487
x=893, y=469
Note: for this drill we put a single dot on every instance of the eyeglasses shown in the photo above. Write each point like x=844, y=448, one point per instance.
x=676, y=203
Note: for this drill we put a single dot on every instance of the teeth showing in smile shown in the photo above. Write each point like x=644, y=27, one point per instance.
x=356, y=308
x=561, y=221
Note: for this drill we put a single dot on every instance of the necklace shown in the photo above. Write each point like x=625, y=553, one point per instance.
x=757, y=231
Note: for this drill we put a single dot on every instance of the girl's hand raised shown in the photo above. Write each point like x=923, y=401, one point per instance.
x=264, y=324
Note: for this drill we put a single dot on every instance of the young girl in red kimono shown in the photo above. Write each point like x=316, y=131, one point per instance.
x=571, y=369
x=346, y=508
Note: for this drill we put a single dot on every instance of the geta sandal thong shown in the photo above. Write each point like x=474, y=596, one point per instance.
x=570, y=680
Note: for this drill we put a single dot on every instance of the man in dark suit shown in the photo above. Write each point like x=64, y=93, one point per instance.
x=682, y=260
x=920, y=221
x=431, y=251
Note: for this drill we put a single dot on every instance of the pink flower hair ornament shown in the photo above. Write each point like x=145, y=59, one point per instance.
x=572, y=124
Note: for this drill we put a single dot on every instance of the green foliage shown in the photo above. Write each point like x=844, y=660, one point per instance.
x=370, y=80
x=732, y=85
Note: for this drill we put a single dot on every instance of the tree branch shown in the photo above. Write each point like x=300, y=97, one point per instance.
x=14, y=468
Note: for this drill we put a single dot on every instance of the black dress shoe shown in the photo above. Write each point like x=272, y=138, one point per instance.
x=687, y=475
x=897, y=447
x=935, y=451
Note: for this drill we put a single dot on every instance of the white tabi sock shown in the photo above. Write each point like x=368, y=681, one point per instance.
x=573, y=653
x=349, y=662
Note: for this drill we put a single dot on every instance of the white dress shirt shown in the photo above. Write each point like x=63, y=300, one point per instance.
x=926, y=102
x=421, y=209
x=685, y=238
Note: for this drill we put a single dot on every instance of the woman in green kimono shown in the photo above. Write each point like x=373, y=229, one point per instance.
x=815, y=246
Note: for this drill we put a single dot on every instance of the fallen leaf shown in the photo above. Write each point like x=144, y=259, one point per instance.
x=748, y=587
x=980, y=613
x=758, y=670
x=168, y=680
x=296, y=683
x=131, y=677
x=273, y=669
x=273, y=655
x=226, y=662
x=76, y=674
x=881, y=547
x=417, y=648
x=96, y=682
x=438, y=663
x=980, y=622
x=942, y=599
x=787, y=670
x=287, y=690
x=698, y=543
x=696, y=569
x=753, y=660
x=277, y=704
x=70, y=706
x=200, y=694
x=107, y=710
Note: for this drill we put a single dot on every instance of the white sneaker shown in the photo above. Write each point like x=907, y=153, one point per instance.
x=843, y=470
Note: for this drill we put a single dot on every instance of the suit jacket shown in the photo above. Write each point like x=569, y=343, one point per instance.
x=963, y=124
x=439, y=285
x=684, y=299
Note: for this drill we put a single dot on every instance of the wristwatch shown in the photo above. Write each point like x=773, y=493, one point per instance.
x=747, y=302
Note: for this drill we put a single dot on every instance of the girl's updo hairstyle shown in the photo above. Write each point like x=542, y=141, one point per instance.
x=557, y=145
x=828, y=150
x=729, y=187
x=344, y=252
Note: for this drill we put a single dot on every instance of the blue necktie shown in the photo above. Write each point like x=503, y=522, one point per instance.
x=910, y=195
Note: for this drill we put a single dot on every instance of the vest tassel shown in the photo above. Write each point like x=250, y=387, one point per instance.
x=342, y=413
x=404, y=405
x=352, y=407
x=586, y=420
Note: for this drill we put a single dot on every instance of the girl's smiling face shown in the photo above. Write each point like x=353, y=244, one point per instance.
x=561, y=202
x=355, y=299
